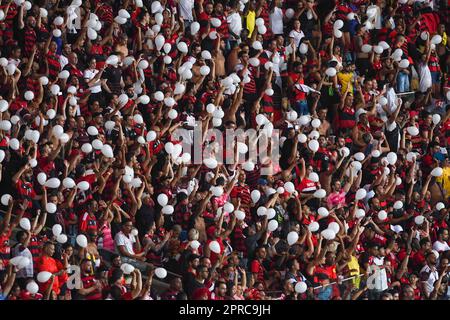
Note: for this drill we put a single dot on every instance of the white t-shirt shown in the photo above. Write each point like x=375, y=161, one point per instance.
x=425, y=77
x=381, y=278
x=434, y=275
x=276, y=21
x=234, y=21
x=186, y=7
x=440, y=246
x=90, y=74
x=298, y=36
x=122, y=240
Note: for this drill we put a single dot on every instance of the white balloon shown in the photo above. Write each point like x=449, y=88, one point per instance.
x=61, y=238
x=255, y=195
x=436, y=118
x=14, y=144
x=83, y=185
x=313, y=145
x=5, y=125
x=321, y=193
x=272, y=225
x=419, y=220
x=195, y=244
x=124, y=14
x=151, y=136
x=331, y=72
x=313, y=226
x=271, y=213
x=437, y=172
x=323, y=212
x=50, y=207
x=228, y=207
x=316, y=123
x=162, y=199
x=159, y=41
x=127, y=268
x=261, y=211
x=440, y=206
x=300, y=287
x=240, y=215
x=69, y=183
x=92, y=34
x=378, y=49
x=56, y=229
x=159, y=96
x=360, y=194
x=217, y=191
x=53, y=183
x=257, y=45
x=404, y=63
x=359, y=156
x=391, y=158
x=334, y=226
x=314, y=177
x=33, y=163
x=375, y=153
x=143, y=64
x=384, y=45
x=436, y=39
x=204, y=70
x=4, y=105
x=337, y=33
x=289, y=187
x=360, y=213
x=5, y=199
x=43, y=276
x=289, y=13
x=248, y=166
x=254, y=61
x=195, y=27
x=93, y=131
x=328, y=234
x=32, y=287
x=338, y=24
x=82, y=240
x=366, y=48
x=206, y=55
x=398, y=205
x=29, y=95
x=214, y=247
x=86, y=148
x=292, y=238
x=167, y=209
x=382, y=215
x=211, y=163
x=11, y=69
x=182, y=47
x=161, y=273
x=25, y=224
x=107, y=151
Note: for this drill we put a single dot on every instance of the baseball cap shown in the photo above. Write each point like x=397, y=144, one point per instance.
x=360, y=112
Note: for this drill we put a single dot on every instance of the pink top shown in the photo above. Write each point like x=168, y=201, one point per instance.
x=108, y=242
x=336, y=198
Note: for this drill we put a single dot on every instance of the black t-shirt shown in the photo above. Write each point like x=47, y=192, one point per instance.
x=286, y=153
x=193, y=285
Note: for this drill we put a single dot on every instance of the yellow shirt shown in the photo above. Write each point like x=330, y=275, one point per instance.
x=345, y=79
x=444, y=180
x=353, y=265
x=251, y=20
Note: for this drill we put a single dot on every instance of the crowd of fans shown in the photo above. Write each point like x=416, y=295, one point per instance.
x=98, y=200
